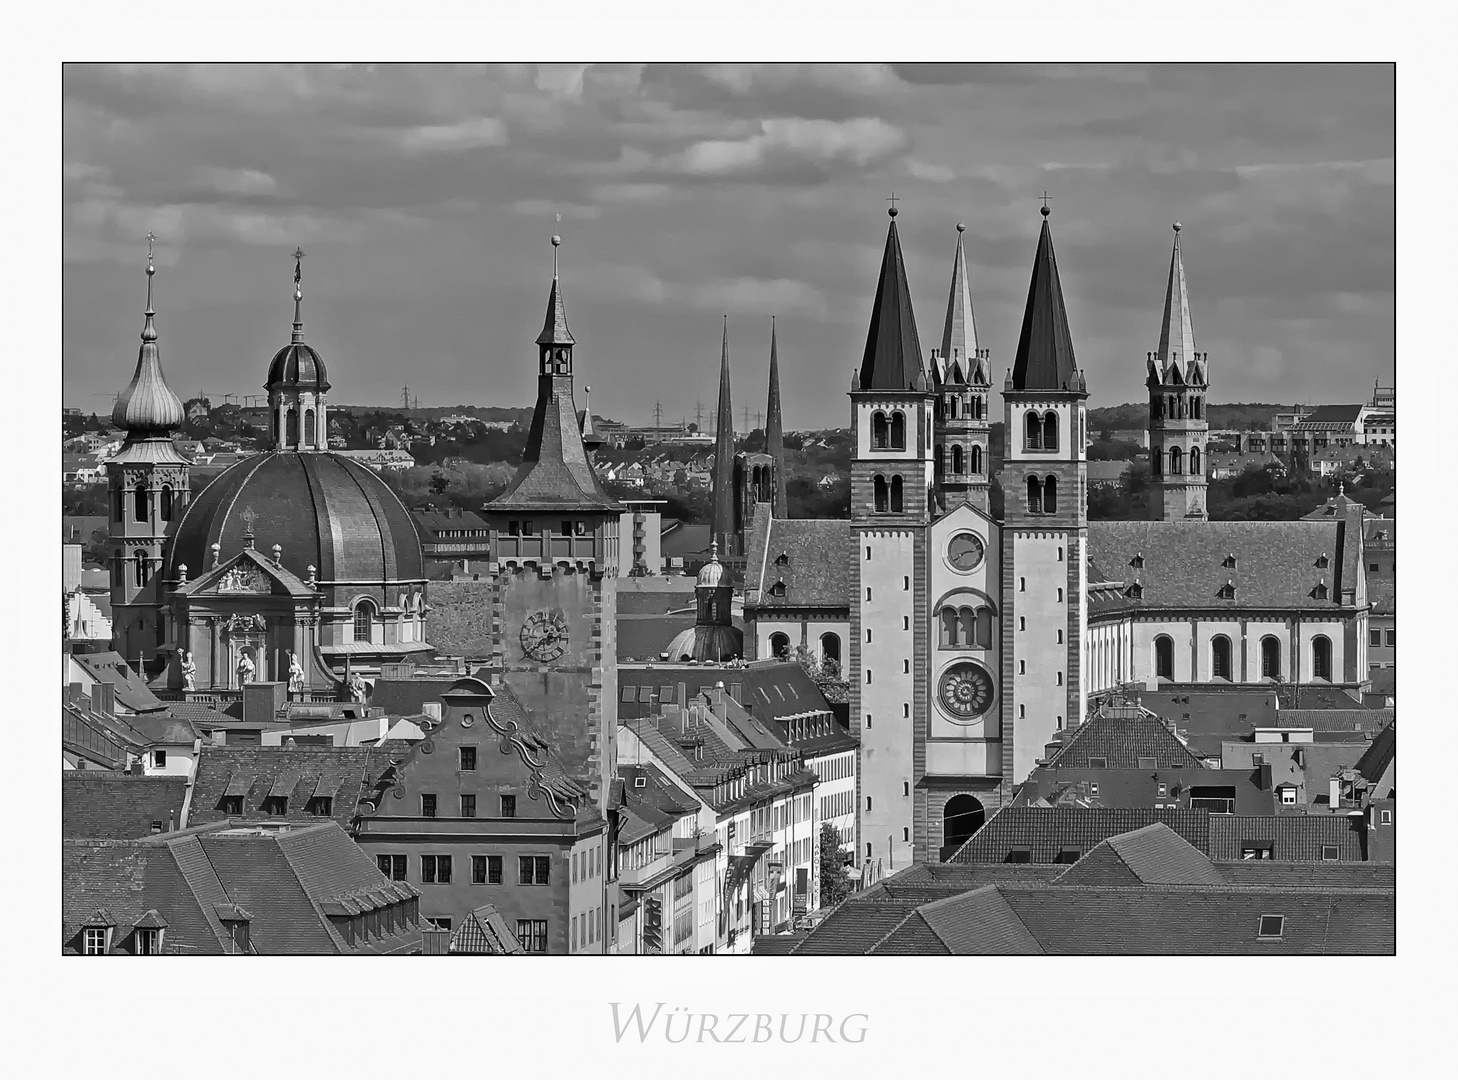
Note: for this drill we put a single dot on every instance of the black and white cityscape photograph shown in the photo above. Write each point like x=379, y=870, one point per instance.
x=939, y=513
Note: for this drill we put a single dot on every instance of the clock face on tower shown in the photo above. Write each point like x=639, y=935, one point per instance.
x=965, y=691
x=965, y=552
x=544, y=637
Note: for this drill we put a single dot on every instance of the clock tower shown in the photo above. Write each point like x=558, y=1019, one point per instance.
x=554, y=550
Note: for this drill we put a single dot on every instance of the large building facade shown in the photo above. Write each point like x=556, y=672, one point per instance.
x=972, y=640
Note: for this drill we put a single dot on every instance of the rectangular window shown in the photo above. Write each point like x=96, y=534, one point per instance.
x=868, y=554
x=321, y=805
x=528, y=528
x=1163, y=790
x=532, y=933
x=533, y=869
x=159, y=759
x=508, y=806
x=1372, y=567
x=275, y=806
x=868, y=594
x=1271, y=927
x=435, y=869
x=1387, y=817
x=1022, y=584
x=513, y=528
x=468, y=806
x=468, y=759
x=575, y=857
x=95, y=944
x=1068, y=855
x=1147, y=763
x=1288, y=796
x=868, y=635
x=905, y=622
x=566, y=527
x=147, y=943
x=906, y=667
x=905, y=584
x=1391, y=638
x=427, y=806
x=573, y=946
x=1019, y=855
x=1330, y=853
x=1022, y=667
x=478, y=869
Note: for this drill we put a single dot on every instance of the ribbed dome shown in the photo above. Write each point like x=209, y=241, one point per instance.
x=297, y=364
x=325, y=511
x=713, y=575
x=702, y=642
x=148, y=404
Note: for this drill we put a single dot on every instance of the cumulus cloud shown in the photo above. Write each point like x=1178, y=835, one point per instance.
x=784, y=143
x=464, y=135
x=235, y=181
x=932, y=174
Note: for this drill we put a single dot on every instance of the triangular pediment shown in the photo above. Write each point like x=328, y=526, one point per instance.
x=247, y=573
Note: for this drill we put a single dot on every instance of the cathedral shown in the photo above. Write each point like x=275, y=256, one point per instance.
x=970, y=641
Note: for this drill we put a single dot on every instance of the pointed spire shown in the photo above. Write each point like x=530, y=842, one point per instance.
x=554, y=327
x=590, y=437
x=298, y=295
x=1176, y=334
x=774, y=430
x=723, y=519
x=148, y=406
x=1044, y=359
x=959, y=333
x=893, y=358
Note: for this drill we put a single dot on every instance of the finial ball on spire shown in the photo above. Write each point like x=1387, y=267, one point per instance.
x=1044, y=210
x=1177, y=226
x=556, y=241
x=961, y=227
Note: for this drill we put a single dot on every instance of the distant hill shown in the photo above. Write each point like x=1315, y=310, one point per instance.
x=1240, y=416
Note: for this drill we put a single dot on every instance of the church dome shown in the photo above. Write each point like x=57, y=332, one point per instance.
x=705, y=642
x=324, y=511
x=297, y=365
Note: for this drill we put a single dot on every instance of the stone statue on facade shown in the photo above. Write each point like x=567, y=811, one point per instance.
x=189, y=671
x=245, y=669
x=296, y=675
x=356, y=687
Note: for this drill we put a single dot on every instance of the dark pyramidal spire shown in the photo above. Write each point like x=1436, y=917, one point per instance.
x=1044, y=359
x=722, y=528
x=774, y=429
x=893, y=359
x=555, y=472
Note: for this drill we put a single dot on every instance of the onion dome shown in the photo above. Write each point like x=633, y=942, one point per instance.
x=148, y=405
x=329, y=514
x=713, y=574
x=296, y=364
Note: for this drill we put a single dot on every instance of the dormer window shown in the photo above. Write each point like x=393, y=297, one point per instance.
x=1135, y=591
x=276, y=805
x=1319, y=593
x=1137, y=562
x=1229, y=562
x=1322, y=562
x=1227, y=591
x=321, y=806
x=777, y=589
x=232, y=805
x=782, y=560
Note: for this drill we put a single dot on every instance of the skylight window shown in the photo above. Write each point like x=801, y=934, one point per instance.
x=1272, y=927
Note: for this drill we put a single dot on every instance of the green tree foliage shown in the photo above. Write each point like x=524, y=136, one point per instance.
x=834, y=885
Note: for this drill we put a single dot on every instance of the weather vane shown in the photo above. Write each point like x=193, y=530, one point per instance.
x=150, y=238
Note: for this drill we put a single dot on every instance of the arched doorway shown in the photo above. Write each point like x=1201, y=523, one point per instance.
x=961, y=817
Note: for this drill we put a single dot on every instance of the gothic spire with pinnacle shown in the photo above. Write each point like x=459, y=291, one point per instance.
x=774, y=430
x=554, y=327
x=723, y=518
x=1044, y=360
x=148, y=407
x=1176, y=333
x=892, y=360
x=959, y=333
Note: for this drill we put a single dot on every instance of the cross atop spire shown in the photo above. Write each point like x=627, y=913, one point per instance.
x=892, y=200
x=1045, y=211
x=298, y=294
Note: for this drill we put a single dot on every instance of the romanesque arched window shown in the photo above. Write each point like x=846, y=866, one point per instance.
x=896, y=494
x=975, y=463
x=1164, y=657
x=898, y=430
x=1197, y=408
x=1194, y=461
x=140, y=501
x=309, y=427
x=164, y=503
x=1033, y=432
x=984, y=627
x=947, y=619
x=882, y=500
x=1175, y=464
x=966, y=627
x=830, y=649
x=1270, y=658
x=364, y=620
x=779, y=645
x=1220, y=666
x=144, y=567
x=1321, y=657
x=952, y=407
x=1050, y=431
x=956, y=460
x=1035, y=495
x=1169, y=407
x=1050, y=495
x=880, y=431
x=291, y=428
x=961, y=817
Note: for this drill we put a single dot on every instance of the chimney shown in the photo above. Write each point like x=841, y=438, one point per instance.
x=263, y=700
x=103, y=699
x=138, y=769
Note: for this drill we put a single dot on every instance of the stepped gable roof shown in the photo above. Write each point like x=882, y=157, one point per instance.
x=1184, y=562
x=1045, y=831
x=1044, y=358
x=344, y=774
x=1292, y=838
x=1121, y=742
x=808, y=556
x=99, y=804
x=323, y=510
x=893, y=359
x=1153, y=855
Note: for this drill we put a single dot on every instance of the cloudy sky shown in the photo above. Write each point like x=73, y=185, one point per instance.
x=425, y=198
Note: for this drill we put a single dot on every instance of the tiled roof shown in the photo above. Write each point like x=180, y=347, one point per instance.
x=1269, y=872
x=1331, y=414
x=809, y=556
x=1044, y=358
x=1379, y=758
x=854, y=928
x=1153, y=855
x=484, y=932
x=405, y=697
x=101, y=805
x=1291, y=837
x=1382, y=595
x=1184, y=562
x=1121, y=742
x=1209, y=718
x=1045, y=831
x=1336, y=720
x=131, y=690
x=893, y=359
x=342, y=773
x=981, y=922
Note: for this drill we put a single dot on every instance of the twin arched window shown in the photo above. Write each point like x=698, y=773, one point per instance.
x=1043, y=495
x=888, y=434
x=1040, y=431
x=887, y=496
x=364, y=620
x=1176, y=461
x=144, y=567
x=965, y=627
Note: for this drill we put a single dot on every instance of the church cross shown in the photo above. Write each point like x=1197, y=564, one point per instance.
x=892, y=200
x=150, y=238
x=1045, y=200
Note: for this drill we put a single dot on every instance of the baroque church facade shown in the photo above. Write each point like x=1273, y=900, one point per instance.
x=970, y=641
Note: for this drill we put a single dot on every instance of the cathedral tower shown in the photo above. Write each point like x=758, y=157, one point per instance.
x=298, y=411
x=1045, y=526
x=554, y=547
x=774, y=429
x=1178, y=381
x=891, y=483
x=148, y=481
x=724, y=527
x=960, y=373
